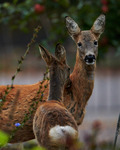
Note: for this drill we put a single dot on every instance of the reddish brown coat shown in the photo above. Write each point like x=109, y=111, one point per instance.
x=47, y=116
x=76, y=93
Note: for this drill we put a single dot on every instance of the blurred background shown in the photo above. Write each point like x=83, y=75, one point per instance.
x=18, y=18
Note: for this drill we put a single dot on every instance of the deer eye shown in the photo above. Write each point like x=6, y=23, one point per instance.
x=95, y=43
x=68, y=68
x=79, y=44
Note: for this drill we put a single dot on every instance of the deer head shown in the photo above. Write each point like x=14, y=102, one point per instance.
x=87, y=41
x=57, y=63
x=59, y=70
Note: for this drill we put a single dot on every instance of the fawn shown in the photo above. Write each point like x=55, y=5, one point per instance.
x=76, y=92
x=52, y=123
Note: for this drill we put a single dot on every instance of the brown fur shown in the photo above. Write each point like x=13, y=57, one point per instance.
x=80, y=90
x=76, y=95
x=24, y=101
x=48, y=115
x=82, y=78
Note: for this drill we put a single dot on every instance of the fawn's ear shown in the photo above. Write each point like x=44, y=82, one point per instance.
x=60, y=53
x=72, y=26
x=98, y=26
x=45, y=54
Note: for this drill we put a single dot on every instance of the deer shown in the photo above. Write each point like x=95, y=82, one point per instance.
x=53, y=124
x=76, y=92
x=81, y=84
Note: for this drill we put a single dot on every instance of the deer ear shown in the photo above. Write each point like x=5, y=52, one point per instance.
x=60, y=53
x=72, y=26
x=45, y=54
x=98, y=26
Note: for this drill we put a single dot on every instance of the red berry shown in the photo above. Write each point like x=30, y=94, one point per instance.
x=39, y=8
x=105, y=9
x=104, y=2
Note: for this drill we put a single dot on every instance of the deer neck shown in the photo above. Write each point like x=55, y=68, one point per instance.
x=56, y=85
x=82, y=82
x=83, y=70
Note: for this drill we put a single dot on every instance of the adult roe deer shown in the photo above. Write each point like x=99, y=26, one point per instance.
x=53, y=124
x=81, y=83
x=76, y=93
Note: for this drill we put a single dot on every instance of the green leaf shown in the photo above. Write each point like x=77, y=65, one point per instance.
x=64, y=3
x=118, y=51
x=80, y=5
x=63, y=15
x=38, y=148
x=1, y=100
x=15, y=2
x=6, y=5
x=3, y=138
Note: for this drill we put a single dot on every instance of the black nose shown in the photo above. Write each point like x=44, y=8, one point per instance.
x=90, y=58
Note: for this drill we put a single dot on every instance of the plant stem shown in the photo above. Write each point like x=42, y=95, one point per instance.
x=117, y=133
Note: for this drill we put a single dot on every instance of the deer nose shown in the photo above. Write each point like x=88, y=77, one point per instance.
x=90, y=59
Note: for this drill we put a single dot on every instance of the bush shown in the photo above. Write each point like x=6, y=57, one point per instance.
x=24, y=15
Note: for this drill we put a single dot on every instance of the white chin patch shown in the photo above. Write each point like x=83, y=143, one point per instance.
x=90, y=63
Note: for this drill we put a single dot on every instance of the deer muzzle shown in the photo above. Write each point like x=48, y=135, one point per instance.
x=90, y=59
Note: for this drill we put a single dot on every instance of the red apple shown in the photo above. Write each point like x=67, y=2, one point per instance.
x=105, y=9
x=39, y=8
x=104, y=2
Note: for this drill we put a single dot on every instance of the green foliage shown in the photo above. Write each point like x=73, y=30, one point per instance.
x=24, y=15
x=3, y=138
x=38, y=148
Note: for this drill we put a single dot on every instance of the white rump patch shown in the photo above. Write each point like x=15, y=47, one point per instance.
x=58, y=133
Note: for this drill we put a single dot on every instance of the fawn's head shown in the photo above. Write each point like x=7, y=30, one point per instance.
x=57, y=64
x=87, y=41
